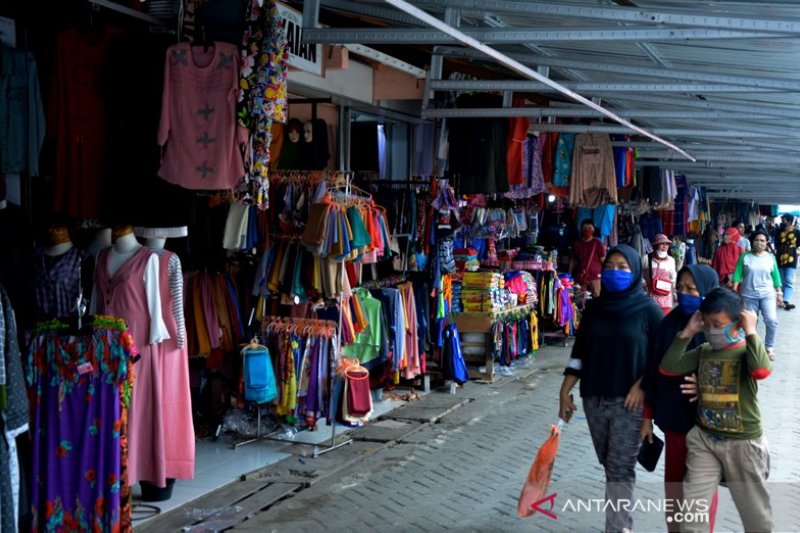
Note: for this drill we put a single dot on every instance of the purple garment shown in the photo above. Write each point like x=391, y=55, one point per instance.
x=58, y=283
x=312, y=399
x=567, y=313
x=77, y=424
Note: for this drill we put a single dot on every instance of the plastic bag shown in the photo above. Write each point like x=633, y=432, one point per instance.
x=535, y=487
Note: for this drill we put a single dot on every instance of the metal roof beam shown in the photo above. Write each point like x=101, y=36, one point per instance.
x=622, y=14
x=634, y=70
x=734, y=146
x=522, y=35
x=372, y=11
x=671, y=132
x=527, y=72
x=774, y=110
x=593, y=87
x=754, y=157
x=580, y=112
x=757, y=169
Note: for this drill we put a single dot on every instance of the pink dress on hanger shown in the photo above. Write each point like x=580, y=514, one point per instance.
x=124, y=295
x=171, y=383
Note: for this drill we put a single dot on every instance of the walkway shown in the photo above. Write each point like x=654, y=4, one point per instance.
x=465, y=472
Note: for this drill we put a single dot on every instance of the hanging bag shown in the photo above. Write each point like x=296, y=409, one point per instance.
x=660, y=282
x=259, y=376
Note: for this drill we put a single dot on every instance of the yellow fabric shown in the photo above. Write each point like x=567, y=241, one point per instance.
x=534, y=320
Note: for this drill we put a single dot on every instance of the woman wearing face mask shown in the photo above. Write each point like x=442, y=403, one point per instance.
x=758, y=280
x=666, y=402
x=661, y=273
x=727, y=255
x=611, y=353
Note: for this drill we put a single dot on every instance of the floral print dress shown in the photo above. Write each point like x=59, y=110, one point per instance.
x=79, y=385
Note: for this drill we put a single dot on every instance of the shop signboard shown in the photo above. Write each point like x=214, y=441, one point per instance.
x=307, y=57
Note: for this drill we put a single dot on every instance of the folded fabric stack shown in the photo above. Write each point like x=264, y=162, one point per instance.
x=467, y=259
x=484, y=291
x=457, y=305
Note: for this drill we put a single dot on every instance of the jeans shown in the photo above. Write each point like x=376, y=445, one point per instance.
x=769, y=313
x=787, y=280
x=615, y=434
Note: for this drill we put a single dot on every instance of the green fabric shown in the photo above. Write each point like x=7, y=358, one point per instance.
x=361, y=236
x=728, y=404
x=3, y=398
x=367, y=344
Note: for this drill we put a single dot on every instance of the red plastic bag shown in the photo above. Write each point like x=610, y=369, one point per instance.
x=535, y=488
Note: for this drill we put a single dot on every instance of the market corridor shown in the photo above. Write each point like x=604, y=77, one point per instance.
x=466, y=471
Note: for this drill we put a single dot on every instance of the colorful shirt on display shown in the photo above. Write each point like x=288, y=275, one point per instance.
x=198, y=117
x=786, y=242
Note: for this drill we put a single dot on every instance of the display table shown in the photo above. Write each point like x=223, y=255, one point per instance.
x=476, y=338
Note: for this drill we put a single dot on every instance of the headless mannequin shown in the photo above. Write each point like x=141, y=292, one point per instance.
x=60, y=242
x=125, y=245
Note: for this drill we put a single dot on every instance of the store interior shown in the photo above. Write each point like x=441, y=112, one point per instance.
x=219, y=242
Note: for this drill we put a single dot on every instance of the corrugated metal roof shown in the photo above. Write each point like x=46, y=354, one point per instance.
x=745, y=58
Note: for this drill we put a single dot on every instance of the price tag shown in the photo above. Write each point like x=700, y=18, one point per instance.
x=85, y=368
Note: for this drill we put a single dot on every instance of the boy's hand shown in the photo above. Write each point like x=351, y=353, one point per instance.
x=748, y=321
x=695, y=326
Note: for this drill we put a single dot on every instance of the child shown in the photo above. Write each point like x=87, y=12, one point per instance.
x=728, y=440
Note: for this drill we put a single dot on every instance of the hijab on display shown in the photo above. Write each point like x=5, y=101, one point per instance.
x=294, y=128
x=705, y=279
x=629, y=299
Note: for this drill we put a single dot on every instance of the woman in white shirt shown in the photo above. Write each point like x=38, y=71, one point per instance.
x=758, y=280
x=661, y=273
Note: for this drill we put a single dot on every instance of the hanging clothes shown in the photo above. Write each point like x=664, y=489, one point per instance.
x=81, y=386
x=14, y=409
x=593, y=175
x=171, y=393
x=21, y=112
x=77, y=120
x=198, y=117
x=563, y=164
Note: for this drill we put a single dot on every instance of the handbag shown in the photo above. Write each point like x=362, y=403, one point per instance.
x=260, y=385
x=659, y=285
x=650, y=453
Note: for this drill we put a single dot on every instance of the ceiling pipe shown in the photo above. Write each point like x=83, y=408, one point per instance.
x=518, y=67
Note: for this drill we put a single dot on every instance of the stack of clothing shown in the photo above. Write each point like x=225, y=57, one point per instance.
x=484, y=291
x=522, y=284
x=467, y=259
x=457, y=307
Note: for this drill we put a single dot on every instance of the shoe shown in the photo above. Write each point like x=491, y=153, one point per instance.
x=789, y=306
x=771, y=354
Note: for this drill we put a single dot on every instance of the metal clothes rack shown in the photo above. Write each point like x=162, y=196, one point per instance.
x=273, y=436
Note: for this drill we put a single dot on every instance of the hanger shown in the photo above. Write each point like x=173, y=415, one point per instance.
x=201, y=39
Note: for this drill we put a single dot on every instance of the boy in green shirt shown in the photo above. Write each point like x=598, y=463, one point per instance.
x=728, y=440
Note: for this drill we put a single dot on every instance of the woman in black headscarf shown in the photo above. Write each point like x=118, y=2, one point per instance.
x=673, y=411
x=611, y=353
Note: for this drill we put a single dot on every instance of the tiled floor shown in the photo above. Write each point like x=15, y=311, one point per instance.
x=218, y=463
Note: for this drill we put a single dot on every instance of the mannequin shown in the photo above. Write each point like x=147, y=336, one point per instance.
x=60, y=242
x=127, y=286
x=155, y=243
x=125, y=245
x=291, y=153
x=62, y=275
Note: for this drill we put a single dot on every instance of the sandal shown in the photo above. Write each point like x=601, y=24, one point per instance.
x=771, y=354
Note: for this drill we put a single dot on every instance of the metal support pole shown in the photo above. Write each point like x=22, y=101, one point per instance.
x=310, y=15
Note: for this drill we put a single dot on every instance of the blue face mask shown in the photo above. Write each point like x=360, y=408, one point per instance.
x=616, y=280
x=689, y=303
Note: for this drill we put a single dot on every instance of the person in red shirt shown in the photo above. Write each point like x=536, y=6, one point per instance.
x=588, y=254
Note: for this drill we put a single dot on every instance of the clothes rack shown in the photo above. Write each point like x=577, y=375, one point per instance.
x=270, y=323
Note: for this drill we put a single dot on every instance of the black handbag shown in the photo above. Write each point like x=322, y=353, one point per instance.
x=650, y=452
